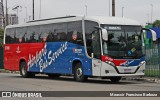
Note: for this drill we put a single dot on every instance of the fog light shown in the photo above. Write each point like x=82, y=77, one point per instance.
x=141, y=63
x=107, y=71
x=143, y=71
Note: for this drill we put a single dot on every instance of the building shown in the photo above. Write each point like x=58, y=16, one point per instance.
x=12, y=19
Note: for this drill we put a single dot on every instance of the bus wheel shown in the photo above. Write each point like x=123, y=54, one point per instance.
x=23, y=70
x=78, y=73
x=54, y=75
x=115, y=79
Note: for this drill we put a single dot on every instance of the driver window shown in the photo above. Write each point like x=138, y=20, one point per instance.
x=96, y=44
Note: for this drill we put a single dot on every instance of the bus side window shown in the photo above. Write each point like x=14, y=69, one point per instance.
x=20, y=32
x=32, y=34
x=50, y=37
x=13, y=36
x=74, y=34
x=45, y=31
x=8, y=36
x=61, y=36
x=24, y=37
x=28, y=35
x=89, y=30
x=60, y=32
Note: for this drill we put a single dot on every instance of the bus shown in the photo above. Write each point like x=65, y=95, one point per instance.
x=82, y=46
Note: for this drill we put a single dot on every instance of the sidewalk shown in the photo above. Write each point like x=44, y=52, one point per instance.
x=144, y=79
x=151, y=79
x=6, y=71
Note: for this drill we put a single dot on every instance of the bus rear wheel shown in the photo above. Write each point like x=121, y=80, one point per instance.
x=23, y=71
x=115, y=79
x=78, y=73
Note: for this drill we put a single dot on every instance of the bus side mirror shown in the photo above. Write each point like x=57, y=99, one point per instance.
x=104, y=35
x=154, y=35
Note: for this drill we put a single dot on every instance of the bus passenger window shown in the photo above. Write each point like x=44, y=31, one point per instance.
x=50, y=37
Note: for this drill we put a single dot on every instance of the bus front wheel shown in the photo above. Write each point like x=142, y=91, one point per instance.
x=23, y=70
x=78, y=73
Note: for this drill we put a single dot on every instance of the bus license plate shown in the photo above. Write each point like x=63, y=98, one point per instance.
x=127, y=70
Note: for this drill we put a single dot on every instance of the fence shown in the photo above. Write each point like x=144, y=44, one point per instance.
x=153, y=60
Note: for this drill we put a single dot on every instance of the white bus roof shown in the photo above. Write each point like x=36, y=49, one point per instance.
x=99, y=19
x=112, y=20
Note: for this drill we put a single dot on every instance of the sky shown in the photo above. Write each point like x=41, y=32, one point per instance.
x=139, y=10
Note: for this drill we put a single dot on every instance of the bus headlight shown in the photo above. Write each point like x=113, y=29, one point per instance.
x=110, y=63
x=141, y=63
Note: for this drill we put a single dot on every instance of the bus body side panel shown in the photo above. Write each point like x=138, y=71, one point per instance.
x=9, y=57
x=13, y=53
x=57, y=57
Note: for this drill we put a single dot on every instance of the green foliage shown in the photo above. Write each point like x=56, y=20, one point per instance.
x=1, y=31
x=1, y=37
x=156, y=23
x=1, y=42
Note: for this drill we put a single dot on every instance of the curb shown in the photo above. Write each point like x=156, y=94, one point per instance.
x=6, y=71
x=148, y=79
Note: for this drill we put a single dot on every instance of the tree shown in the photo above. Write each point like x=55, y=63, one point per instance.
x=1, y=31
x=156, y=23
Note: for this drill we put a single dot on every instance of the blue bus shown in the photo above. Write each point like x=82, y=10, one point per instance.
x=82, y=46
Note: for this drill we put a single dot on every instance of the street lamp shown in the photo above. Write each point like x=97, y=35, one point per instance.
x=122, y=11
x=109, y=7
x=86, y=9
x=40, y=10
x=147, y=18
x=16, y=8
x=151, y=12
x=26, y=14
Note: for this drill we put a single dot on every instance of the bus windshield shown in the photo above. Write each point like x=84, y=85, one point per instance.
x=124, y=42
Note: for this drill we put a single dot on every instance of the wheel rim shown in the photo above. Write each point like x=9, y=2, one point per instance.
x=79, y=73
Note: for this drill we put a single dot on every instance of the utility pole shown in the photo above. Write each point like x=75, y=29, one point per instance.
x=4, y=25
x=26, y=15
x=122, y=11
x=6, y=14
x=86, y=9
x=151, y=12
x=33, y=9
x=113, y=7
x=40, y=9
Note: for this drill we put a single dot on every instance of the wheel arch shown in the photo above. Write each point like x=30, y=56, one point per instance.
x=20, y=61
x=74, y=62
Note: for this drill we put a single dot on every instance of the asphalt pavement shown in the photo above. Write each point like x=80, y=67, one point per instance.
x=14, y=82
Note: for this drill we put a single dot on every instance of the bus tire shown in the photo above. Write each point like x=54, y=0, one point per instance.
x=78, y=73
x=23, y=71
x=115, y=79
x=54, y=75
